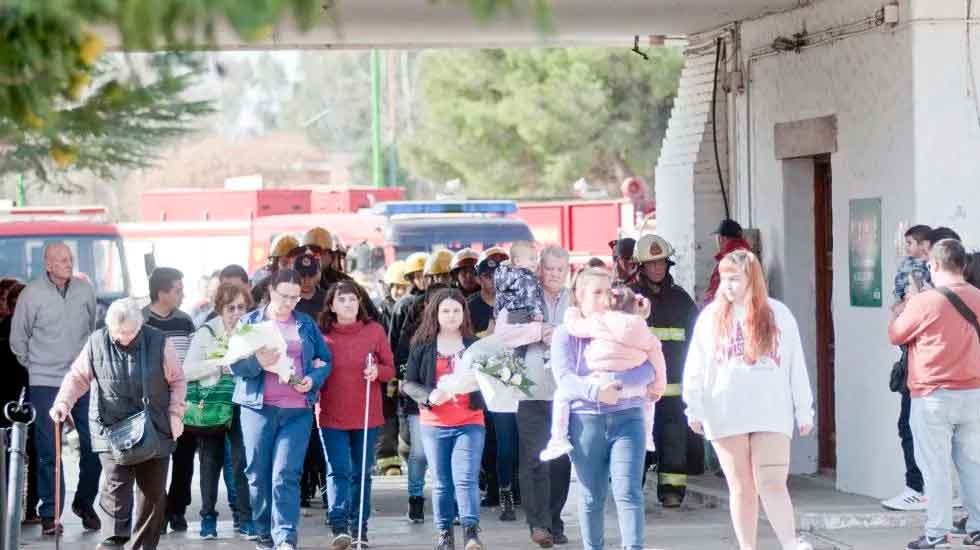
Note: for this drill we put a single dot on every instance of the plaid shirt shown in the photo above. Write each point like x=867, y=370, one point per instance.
x=518, y=289
x=911, y=267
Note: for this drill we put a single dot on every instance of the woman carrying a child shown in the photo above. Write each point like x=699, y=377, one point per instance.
x=452, y=424
x=745, y=383
x=606, y=425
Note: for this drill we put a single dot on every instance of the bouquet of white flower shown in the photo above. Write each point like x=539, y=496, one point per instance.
x=507, y=368
x=247, y=340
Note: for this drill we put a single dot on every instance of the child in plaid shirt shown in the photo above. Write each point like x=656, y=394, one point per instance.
x=914, y=268
x=520, y=306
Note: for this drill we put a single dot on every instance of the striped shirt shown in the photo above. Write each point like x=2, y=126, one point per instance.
x=178, y=327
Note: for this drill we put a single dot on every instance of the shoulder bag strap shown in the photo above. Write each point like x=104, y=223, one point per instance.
x=145, y=368
x=961, y=307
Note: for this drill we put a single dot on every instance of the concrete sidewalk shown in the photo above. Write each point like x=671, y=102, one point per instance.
x=702, y=524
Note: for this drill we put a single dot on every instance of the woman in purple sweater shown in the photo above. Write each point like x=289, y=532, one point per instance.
x=607, y=433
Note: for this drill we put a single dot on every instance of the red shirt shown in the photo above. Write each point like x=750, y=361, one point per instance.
x=341, y=405
x=456, y=411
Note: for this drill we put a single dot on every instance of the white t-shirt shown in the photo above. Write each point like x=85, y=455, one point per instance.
x=731, y=397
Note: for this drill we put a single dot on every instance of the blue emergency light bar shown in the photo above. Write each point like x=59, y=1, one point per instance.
x=396, y=208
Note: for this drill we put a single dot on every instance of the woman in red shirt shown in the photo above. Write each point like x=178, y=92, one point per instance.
x=452, y=425
x=352, y=338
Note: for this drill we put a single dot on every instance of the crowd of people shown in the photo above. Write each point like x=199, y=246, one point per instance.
x=627, y=372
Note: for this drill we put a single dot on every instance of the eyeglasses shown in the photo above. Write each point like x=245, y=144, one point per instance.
x=232, y=308
x=287, y=298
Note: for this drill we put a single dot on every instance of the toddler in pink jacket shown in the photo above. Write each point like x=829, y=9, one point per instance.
x=620, y=341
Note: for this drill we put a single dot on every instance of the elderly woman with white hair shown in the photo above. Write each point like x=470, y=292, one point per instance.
x=138, y=381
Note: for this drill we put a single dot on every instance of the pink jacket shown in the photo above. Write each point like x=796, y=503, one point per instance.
x=620, y=341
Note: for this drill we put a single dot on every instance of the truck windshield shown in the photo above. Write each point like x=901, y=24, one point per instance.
x=98, y=258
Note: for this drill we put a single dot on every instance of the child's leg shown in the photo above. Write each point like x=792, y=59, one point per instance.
x=516, y=335
x=648, y=413
x=559, y=444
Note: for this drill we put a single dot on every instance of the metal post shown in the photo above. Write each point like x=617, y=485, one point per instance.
x=376, y=168
x=3, y=474
x=18, y=460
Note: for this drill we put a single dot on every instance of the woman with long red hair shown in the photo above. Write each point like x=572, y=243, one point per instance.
x=745, y=382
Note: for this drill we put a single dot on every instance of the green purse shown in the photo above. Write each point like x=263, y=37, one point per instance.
x=209, y=409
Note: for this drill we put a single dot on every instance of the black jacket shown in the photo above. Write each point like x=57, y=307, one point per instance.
x=420, y=376
x=671, y=319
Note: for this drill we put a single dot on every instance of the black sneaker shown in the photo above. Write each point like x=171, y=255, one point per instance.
x=178, y=523
x=559, y=538
x=973, y=539
x=416, y=509
x=341, y=540
x=90, y=520
x=264, y=543
x=113, y=543
x=445, y=540
x=361, y=542
x=472, y=537
x=926, y=542
x=507, y=506
x=50, y=529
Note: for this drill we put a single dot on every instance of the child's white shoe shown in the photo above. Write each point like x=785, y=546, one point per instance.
x=556, y=448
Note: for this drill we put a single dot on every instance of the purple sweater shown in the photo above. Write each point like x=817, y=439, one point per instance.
x=571, y=372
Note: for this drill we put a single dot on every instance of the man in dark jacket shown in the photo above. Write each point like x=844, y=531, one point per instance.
x=679, y=451
x=730, y=239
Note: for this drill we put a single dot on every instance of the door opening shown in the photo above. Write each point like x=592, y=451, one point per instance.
x=824, y=262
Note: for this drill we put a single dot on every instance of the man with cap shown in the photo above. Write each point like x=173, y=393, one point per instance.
x=310, y=292
x=625, y=266
x=463, y=272
x=729, y=234
x=673, y=313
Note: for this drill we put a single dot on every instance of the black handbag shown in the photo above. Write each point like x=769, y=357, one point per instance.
x=134, y=439
x=899, y=378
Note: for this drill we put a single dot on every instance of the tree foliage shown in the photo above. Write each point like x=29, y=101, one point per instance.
x=531, y=122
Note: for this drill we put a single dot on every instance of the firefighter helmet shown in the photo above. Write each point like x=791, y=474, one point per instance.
x=414, y=264
x=651, y=248
x=493, y=252
x=438, y=263
x=320, y=238
x=395, y=274
x=338, y=245
x=282, y=246
x=464, y=258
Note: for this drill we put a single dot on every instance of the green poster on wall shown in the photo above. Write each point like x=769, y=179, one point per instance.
x=864, y=245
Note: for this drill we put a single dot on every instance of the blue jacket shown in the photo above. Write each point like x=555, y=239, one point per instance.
x=250, y=378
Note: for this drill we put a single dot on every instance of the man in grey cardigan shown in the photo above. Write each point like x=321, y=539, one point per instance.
x=544, y=485
x=53, y=320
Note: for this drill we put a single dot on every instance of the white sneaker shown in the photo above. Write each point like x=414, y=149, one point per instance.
x=909, y=501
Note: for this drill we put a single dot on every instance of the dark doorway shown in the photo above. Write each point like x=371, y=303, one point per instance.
x=824, y=249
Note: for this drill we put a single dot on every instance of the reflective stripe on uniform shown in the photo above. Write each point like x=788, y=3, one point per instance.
x=675, y=480
x=670, y=334
x=673, y=390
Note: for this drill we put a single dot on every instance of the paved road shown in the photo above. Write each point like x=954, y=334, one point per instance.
x=687, y=529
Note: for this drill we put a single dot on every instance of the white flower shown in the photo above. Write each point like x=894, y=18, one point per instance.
x=517, y=379
x=505, y=374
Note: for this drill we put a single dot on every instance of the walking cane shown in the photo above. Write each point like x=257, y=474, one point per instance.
x=57, y=485
x=367, y=408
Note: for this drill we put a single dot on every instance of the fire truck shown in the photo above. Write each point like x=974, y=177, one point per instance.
x=96, y=245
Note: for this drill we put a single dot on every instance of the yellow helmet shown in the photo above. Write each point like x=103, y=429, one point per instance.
x=395, y=274
x=494, y=251
x=464, y=258
x=651, y=248
x=318, y=237
x=414, y=264
x=438, y=263
x=282, y=246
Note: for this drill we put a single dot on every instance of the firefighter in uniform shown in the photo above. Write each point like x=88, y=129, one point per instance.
x=386, y=453
x=284, y=249
x=673, y=314
x=463, y=272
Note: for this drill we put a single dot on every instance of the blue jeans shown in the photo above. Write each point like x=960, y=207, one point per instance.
x=609, y=446
x=454, y=454
x=505, y=426
x=228, y=473
x=275, y=444
x=90, y=468
x=946, y=423
x=417, y=462
x=343, y=451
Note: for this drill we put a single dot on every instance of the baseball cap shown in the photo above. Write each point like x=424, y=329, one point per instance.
x=729, y=228
x=487, y=266
x=307, y=265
